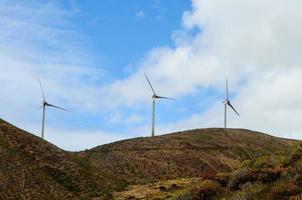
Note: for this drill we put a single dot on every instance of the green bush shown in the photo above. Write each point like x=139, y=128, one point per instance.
x=248, y=163
x=263, y=162
x=249, y=191
x=276, y=160
x=295, y=156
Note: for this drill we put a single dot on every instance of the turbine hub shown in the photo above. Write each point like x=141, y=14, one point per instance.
x=226, y=101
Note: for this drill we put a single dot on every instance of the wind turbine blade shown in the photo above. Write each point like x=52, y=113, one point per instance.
x=42, y=90
x=57, y=107
x=159, y=97
x=227, y=88
x=150, y=83
x=229, y=104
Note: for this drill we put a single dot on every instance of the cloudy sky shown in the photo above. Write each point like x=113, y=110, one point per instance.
x=91, y=57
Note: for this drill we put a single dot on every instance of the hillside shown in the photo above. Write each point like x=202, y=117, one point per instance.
x=180, y=155
x=31, y=168
x=277, y=176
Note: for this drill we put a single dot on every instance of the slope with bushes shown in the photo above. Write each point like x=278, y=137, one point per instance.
x=32, y=168
x=277, y=176
x=185, y=154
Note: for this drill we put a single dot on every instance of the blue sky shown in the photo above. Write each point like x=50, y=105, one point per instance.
x=121, y=32
x=91, y=57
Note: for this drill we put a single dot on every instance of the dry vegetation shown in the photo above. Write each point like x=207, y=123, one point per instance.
x=186, y=154
x=278, y=176
x=31, y=168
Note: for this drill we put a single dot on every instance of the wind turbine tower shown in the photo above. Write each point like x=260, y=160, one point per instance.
x=227, y=103
x=44, y=105
x=154, y=98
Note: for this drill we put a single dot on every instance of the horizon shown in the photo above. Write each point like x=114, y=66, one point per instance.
x=149, y=136
x=91, y=58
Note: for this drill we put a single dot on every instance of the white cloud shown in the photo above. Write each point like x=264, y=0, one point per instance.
x=124, y=118
x=256, y=44
x=38, y=40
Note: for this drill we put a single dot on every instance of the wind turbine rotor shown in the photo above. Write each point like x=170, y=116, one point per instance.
x=50, y=105
x=229, y=104
x=150, y=85
x=227, y=88
x=159, y=97
x=42, y=91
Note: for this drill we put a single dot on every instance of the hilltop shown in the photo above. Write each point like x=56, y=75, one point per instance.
x=191, y=153
x=32, y=168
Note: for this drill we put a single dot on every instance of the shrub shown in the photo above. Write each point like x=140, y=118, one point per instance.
x=61, y=177
x=276, y=160
x=262, y=162
x=284, y=189
x=207, y=190
x=298, y=180
x=249, y=191
x=295, y=156
x=183, y=197
x=298, y=166
x=286, y=175
x=162, y=188
x=243, y=195
x=280, y=160
x=222, y=179
x=247, y=163
x=270, y=175
x=242, y=176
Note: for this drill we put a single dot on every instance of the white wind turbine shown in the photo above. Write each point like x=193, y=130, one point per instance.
x=44, y=105
x=154, y=97
x=227, y=103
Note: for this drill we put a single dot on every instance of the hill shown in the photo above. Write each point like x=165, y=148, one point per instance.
x=31, y=168
x=277, y=176
x=186, y=154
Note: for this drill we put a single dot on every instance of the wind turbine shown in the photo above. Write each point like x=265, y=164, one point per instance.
x=154, y=97
x=227, y=103
x=44, y=105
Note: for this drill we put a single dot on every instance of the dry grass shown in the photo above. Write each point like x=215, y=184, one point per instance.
x=31, y=168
